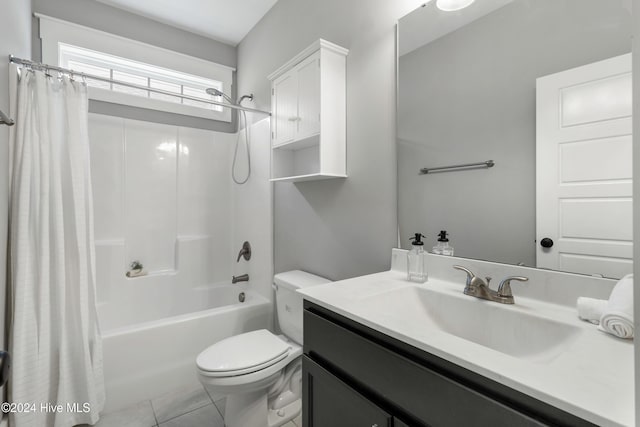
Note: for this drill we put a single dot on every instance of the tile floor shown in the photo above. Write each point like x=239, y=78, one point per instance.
x=190, y=407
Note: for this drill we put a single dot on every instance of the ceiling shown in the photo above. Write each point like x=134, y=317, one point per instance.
x=227, y=21
x=428, y=23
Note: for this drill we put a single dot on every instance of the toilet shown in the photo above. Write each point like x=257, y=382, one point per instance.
x=261, y=372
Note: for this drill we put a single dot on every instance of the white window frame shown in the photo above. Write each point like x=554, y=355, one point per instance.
x=54, y=32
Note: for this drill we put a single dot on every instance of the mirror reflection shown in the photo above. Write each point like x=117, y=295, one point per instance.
x=535, y=96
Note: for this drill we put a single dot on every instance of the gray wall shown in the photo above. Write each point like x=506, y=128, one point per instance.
x=102, y=17
x=470, y=96
x=15, y=38
x=336, y=228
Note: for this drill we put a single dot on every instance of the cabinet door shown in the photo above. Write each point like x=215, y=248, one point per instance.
x=329, y=402
x=285, y=105
x=308, y=73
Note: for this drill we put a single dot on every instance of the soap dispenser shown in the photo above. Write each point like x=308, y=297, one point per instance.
x=417, y=260
x=443, y=247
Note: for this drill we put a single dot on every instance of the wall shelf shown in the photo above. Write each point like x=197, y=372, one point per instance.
x=308, y=123
x=309, y=177
x=299, y=144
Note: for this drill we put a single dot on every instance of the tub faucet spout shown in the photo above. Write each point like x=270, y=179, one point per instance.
x=241, y=278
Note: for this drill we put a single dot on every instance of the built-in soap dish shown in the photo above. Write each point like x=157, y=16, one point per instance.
x=136, y=269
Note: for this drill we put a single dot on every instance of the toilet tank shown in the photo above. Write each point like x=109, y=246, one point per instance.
x=289, y=302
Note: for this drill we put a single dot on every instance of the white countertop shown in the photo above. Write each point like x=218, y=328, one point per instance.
x=591, y=378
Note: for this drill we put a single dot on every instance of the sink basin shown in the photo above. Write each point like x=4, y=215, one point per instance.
x=508, y=329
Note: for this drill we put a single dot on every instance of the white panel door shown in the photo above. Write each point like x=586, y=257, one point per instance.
x=584, y=169
x=309, y=96
x=285, y=108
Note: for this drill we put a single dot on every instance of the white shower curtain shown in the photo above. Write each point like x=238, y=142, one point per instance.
x=54, y=336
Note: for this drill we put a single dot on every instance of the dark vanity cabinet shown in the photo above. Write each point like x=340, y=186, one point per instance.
x=335, y=403
x=355, y=376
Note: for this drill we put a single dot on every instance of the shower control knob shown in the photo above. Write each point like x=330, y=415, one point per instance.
x=546, y=242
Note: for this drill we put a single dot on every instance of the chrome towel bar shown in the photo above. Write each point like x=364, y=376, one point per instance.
x=487, y=164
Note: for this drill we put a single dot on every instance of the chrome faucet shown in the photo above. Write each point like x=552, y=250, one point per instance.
x=241, y=278
x=476, y=287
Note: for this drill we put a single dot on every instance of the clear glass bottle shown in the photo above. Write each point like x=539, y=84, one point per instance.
x=417, y=260
x=443, y=247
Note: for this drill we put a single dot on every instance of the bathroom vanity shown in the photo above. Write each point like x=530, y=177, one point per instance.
x=380, y=351
x=376, y=379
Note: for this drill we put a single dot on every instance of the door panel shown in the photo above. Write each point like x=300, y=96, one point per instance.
x=285, y=108
x=596, y=100
x=584, y=168
x=583, y=219
x=332, y=403
x=596, y=160
x=309, y=96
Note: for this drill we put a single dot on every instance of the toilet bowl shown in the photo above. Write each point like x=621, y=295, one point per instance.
x=261, y=372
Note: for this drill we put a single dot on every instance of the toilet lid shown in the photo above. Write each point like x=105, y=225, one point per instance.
x=242, y=354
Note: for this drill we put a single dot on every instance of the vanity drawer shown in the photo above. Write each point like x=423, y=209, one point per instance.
x=420, y=391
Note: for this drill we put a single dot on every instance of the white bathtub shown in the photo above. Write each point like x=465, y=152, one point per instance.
x=148, y=352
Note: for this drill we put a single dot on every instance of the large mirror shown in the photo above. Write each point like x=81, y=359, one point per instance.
x=542, y=89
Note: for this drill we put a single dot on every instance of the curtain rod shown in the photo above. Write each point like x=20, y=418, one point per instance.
x=39, y=66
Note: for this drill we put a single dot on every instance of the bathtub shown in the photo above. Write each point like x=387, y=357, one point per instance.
x=151, y=350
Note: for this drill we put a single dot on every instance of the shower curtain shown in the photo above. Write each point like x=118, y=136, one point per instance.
x=54, y=336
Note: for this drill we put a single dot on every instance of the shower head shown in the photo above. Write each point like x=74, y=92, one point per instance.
x=215, y=92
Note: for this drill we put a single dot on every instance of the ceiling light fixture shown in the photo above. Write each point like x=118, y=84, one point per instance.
x=453, y=5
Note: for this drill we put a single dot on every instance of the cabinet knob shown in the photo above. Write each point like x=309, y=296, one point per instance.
x=294, y=119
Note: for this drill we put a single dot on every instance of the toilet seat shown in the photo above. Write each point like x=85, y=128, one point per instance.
x=259, y=378
x=242, y=354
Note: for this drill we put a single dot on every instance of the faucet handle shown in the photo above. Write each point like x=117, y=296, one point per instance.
x=504, y=290
x=470, y=275
x=245, y=252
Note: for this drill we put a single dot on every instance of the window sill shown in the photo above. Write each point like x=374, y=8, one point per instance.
x=98, y=94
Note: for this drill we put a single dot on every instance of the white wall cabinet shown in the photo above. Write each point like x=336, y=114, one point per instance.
x=308, y=122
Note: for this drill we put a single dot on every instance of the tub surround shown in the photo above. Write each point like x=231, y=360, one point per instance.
x=176, y=210
x=589, y=375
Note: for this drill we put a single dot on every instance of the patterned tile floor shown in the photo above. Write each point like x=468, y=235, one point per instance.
x=191, y=407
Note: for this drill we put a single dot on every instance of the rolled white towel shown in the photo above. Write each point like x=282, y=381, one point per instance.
x=617, y=318
x=591, y=309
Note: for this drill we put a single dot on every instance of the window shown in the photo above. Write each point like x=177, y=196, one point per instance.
x=105, y=55
x=126, y=70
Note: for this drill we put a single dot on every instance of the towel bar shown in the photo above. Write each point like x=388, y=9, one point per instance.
x=487, y=164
